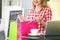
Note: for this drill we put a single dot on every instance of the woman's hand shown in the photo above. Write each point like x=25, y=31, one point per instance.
x=21, y=18
x=38, y=19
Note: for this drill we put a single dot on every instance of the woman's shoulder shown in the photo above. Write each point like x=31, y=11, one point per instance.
x=47, y=10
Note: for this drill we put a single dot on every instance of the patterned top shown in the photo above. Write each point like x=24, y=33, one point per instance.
x=45, y=13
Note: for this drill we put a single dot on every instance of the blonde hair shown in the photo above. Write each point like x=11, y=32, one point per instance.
x=43, y=3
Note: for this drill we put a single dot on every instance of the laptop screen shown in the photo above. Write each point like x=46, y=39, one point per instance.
x=53, y=28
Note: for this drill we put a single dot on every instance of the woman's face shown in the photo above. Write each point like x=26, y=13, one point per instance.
x=36, y=2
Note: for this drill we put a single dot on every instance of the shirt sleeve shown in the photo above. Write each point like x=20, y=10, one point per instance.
x=48, y=14
x=29, y=15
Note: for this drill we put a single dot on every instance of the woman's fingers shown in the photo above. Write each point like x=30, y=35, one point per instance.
x=38, y=19
x=21, y=18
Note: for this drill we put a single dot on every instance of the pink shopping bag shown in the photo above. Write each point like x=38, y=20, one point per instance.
x=23, y=28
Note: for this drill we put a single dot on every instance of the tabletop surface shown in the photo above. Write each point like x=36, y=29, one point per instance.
x=42, y=37
x=34, y=37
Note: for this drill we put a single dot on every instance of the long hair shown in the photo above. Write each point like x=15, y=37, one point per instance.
x=43, y=4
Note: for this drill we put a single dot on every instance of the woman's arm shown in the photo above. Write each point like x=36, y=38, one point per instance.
x=48, y=16
x=40, y=20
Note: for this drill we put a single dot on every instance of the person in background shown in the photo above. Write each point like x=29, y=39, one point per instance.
x=40, y=12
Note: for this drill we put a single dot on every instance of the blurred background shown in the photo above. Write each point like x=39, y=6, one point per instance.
x=23, y=5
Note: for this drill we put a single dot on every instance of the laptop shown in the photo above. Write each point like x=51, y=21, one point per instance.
x=53, y=29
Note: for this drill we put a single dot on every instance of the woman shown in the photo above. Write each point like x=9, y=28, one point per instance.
x=40, y=12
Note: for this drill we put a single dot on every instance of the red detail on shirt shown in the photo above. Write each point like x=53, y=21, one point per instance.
x=45, y=13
